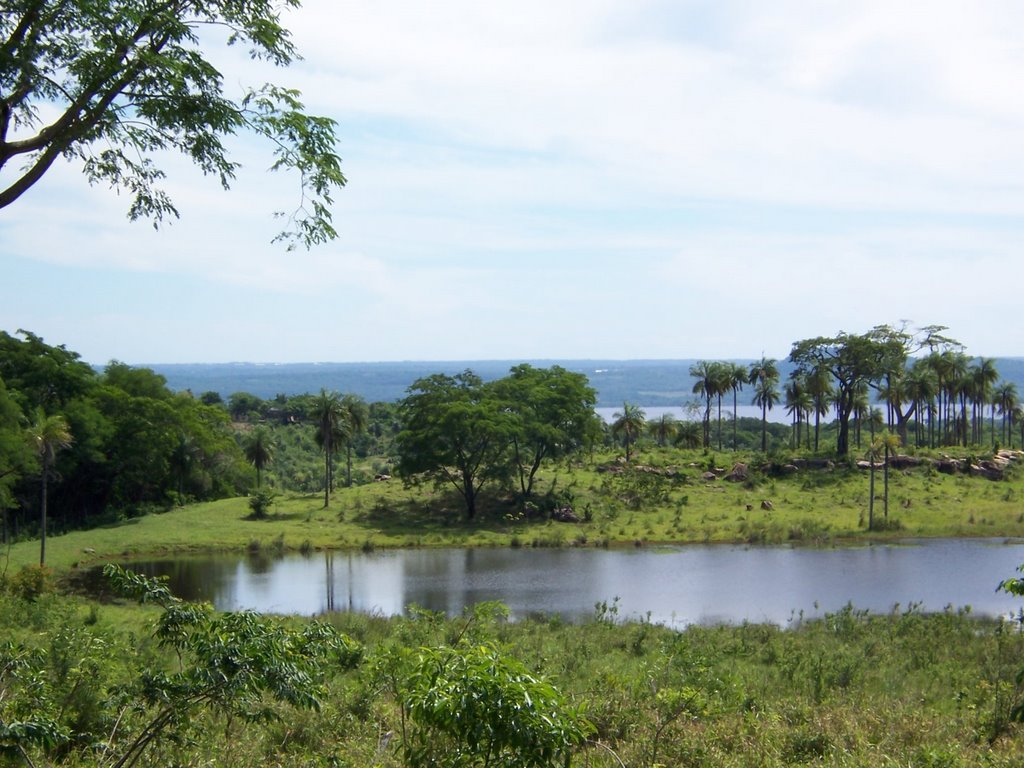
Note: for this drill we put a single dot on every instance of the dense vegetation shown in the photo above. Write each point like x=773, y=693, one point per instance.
x=85, y=448
x=520, y=461
x=87, y=684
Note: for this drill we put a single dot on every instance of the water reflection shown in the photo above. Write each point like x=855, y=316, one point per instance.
x=672, y=585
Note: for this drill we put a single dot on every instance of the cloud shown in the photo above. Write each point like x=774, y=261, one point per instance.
x=602, y=179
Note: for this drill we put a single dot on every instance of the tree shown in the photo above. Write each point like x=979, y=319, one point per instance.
x=242, y=404
x=474, y=706
x=1006, y=400
x=454, y=433
x=853, y=360
x=355, y=415
x=763, y=375
x=553, y=410
x=112, y=84
x=819, y=385
x=737, y=377
x=663, y=429
x=873, y=455
x=328, y=414
x=705, y=385
x=48, y=435
x=259, y=451
x=982, y=377
x=628, y=425
x=15, y=455
x=890, y=444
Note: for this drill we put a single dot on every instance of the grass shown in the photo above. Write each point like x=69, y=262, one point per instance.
x=851, y=689
x=661, y=498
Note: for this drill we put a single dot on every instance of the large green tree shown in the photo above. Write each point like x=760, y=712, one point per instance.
x=112, y=85
x=855, y=361
x=454, y=433
x=553, y=410
x=15, y=455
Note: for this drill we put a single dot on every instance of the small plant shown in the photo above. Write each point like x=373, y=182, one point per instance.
x=260, y=503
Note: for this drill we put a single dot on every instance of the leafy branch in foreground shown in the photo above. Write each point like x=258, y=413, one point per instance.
x=112, y=84
x=231, y=663
x=473, y=706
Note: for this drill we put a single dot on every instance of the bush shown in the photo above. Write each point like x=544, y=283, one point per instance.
x=260, y=503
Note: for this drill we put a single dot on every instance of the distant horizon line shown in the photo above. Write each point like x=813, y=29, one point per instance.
x=482, y=360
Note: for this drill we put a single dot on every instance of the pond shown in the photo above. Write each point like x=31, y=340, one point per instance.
x=676, y=585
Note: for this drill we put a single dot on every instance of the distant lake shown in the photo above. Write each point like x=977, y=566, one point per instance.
x=676, y=585
x=648, y=383
x=655, y=412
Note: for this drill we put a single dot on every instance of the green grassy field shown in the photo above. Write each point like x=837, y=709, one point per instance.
x=662, y=497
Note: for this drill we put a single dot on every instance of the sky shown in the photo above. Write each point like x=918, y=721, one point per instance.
x=608, y=179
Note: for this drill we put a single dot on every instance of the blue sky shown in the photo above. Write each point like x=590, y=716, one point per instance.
x=601, y=179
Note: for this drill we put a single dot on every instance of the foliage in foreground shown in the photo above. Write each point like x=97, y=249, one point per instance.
x=83, y=684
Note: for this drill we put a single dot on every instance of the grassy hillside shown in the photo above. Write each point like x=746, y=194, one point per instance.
x=663, y=496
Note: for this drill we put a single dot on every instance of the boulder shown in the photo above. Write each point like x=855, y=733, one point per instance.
x=564, y=515
x=738, y=473
x=767, y=506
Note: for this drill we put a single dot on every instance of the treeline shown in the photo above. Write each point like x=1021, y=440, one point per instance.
x=95, y=446
x=919, y=385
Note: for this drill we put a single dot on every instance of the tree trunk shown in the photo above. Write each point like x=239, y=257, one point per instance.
x=871, y=496
x=327, y=477
x=885, y=475
x=42, y=518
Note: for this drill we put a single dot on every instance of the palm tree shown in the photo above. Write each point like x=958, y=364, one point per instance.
x=47, y=435
x=819, y=386
x=259, y=451
x=763, y=374
x=663, y=429
x=890, y=444
x=182, y=459
x=920, y=386
x=737, y=378
x=327, y=412
x=766, y=396
x=688, y=435
x=983, y=377
x=873, y=455
x=799, y=405
x=720, y=384
x=704, y=373
x=1007, y=400
x=629, y=424
x=356, y=416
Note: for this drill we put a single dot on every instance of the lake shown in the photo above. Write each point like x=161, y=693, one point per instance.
x=676, y=586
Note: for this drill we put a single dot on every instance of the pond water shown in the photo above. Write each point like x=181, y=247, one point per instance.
x=670, y=585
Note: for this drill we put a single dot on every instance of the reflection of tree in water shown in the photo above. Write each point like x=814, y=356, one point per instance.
x=329, y=580
x=195, y=580
x=260, y=562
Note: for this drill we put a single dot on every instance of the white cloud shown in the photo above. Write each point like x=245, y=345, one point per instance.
x=513, y=167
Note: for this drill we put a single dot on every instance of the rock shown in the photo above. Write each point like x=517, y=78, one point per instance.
x=564, y=515
x=790, y=469
x=738, y=474
x=905, y=462
x=767, y=506
x=381, y=478
x=709, y=476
